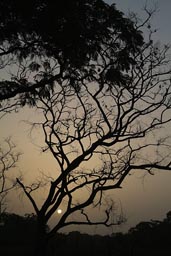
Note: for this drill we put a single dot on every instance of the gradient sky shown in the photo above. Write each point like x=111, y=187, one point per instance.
x=161, y=19
x=142, y=198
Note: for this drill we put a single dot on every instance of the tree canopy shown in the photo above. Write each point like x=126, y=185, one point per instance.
x=70, y=35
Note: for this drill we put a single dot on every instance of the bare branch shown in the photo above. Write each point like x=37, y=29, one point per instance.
x=8, y=160
x=28, y=194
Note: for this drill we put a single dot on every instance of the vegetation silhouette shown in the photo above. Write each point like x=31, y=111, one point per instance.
x=70, y=33
x=146, y=238
x=102, y=92
x=17, y=234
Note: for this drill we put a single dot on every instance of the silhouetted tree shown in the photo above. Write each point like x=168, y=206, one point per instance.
x=168, y=217
x=114, y=121
x=103, y=93
x=151, y=237
x=17, y=234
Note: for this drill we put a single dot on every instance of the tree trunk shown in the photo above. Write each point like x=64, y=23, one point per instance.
x=41, y=239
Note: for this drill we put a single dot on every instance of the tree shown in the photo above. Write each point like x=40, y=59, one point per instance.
x=17, y=234
x=104, y=95
x=39, y=42
x=115, y=123
x=151, y=236
x=8, y=159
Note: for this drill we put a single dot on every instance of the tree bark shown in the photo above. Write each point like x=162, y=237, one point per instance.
x=41, y=239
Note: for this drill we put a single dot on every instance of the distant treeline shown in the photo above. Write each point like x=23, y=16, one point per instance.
x=17, y=235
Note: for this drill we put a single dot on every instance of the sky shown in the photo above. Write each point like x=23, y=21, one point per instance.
x=142, y=197
x=161, y=19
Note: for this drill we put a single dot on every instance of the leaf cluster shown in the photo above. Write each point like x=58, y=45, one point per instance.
x=77, y=34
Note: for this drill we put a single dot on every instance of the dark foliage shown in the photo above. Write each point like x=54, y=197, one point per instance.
x=17, y=234
x=76, y=34
x=146, y=238
x=13, y=226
